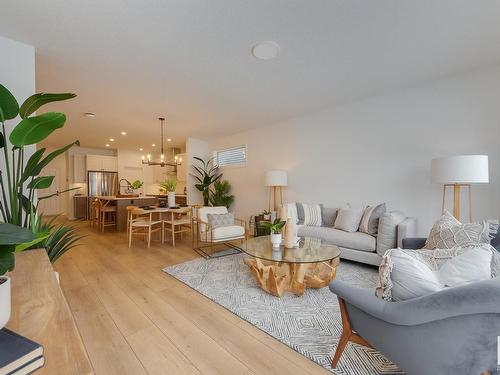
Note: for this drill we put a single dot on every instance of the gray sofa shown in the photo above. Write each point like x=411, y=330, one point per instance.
x=361, y=247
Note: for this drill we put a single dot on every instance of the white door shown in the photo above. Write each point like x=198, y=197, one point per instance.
x=49, y=206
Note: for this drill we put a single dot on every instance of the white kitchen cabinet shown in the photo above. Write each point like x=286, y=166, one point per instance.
x=102, y=163
x=182, y=168
x=79, y=168
x=110, y=163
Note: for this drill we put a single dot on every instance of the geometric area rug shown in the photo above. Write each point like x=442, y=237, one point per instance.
x=310, y=324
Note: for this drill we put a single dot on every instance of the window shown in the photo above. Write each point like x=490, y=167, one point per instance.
x=235, y=156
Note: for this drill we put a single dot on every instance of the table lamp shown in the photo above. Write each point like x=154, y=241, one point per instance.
x=458, y=171
x=276, y=180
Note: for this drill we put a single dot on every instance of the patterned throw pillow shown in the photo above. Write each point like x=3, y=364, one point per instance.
x=220, y=220
x=371, y=218
x=309, y=214
x=448, y=232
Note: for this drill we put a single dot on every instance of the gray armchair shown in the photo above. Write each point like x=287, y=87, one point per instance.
x=454, y=331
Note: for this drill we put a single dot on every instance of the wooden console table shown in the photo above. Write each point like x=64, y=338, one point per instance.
x=41, y=313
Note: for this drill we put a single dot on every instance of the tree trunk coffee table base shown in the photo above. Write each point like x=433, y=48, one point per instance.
x=277, y=278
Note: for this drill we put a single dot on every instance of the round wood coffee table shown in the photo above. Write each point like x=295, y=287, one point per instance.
x=312, y=264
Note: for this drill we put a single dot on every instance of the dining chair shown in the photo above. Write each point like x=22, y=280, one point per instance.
x=129, y=215
x=142, y=223
x=178, y=221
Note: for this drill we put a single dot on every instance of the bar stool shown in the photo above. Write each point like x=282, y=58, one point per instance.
x=94, y=213
x=107, y=216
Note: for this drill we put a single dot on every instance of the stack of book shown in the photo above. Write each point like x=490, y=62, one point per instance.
x=19, y=355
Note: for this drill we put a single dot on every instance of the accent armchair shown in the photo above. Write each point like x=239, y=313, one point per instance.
x=207, y=237
x=454, y=331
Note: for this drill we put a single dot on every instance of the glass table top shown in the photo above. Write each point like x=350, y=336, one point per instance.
x=309, y=250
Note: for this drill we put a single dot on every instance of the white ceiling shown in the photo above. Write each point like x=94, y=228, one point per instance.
x=132, y=60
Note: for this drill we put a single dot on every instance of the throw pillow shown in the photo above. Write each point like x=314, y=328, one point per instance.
x=371, y=218
x=312, y=214
x=220, y=220
x=328, y=216
x=387, y=235
x=406, y=274
x=348, y=218
x=448, y=232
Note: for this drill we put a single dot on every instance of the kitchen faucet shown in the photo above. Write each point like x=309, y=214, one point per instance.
x=128, y=186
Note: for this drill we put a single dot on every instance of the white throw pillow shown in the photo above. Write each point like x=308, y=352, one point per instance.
x=448, y=232
x=407, y=274
x=348, y=218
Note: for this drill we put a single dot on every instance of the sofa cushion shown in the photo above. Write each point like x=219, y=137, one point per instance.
x=387, y=237
x=371, y=218
x=309, y=214
x=328, y=216
x=406, y=274
x=230, y=231
x=448, y=232
x=348, y=218
x=356, y=240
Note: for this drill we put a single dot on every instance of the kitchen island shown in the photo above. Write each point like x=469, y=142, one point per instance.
x=122, y=202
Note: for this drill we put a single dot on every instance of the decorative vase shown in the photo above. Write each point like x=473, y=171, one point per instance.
x=171, y=199
x=290, y=234
x=4, y=300
x=276, y=240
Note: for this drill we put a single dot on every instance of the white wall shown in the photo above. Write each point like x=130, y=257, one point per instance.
x=17, y=73
x=378, y=150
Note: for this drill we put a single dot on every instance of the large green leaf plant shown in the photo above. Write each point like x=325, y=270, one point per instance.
x=20, y=179
x=207, y=173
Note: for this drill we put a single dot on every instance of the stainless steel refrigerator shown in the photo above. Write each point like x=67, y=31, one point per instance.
x=102, y=183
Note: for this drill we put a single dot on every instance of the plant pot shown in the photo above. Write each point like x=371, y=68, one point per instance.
x=171, y=199
x=276, y=240
x=4, y=300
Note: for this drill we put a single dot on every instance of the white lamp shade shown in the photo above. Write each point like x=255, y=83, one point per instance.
x=276, y=178
x=463, y=169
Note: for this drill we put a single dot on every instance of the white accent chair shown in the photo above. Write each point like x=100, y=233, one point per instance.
x=208, y=237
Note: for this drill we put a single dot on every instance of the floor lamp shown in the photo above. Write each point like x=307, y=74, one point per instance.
x=457, y=172
x=276, y=180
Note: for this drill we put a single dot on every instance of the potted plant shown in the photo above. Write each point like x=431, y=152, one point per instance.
x=275, y=228
x=207, y=174
x=220, y=196
x=10, y=237
x=136, y=185
x=20, y=179
x=169, y=186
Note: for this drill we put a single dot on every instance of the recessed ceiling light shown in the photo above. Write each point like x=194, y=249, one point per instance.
x=169, y=140
x=107, y=144
x=111, y=139
x=153, y=145
x=124, y=133
x=266, y=50
x=89, y=114
x=140, y=149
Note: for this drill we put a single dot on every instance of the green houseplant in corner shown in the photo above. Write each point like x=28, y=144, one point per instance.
x=20, y=178
x=220, y=195
x=207, y=174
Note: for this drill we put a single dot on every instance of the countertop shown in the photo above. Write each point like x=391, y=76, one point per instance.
x=114, y=198
x=165, y=195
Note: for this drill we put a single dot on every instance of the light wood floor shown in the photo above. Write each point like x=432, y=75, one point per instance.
x=135, y=319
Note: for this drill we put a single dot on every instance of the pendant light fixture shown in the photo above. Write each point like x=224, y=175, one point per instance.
x=147, y=159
